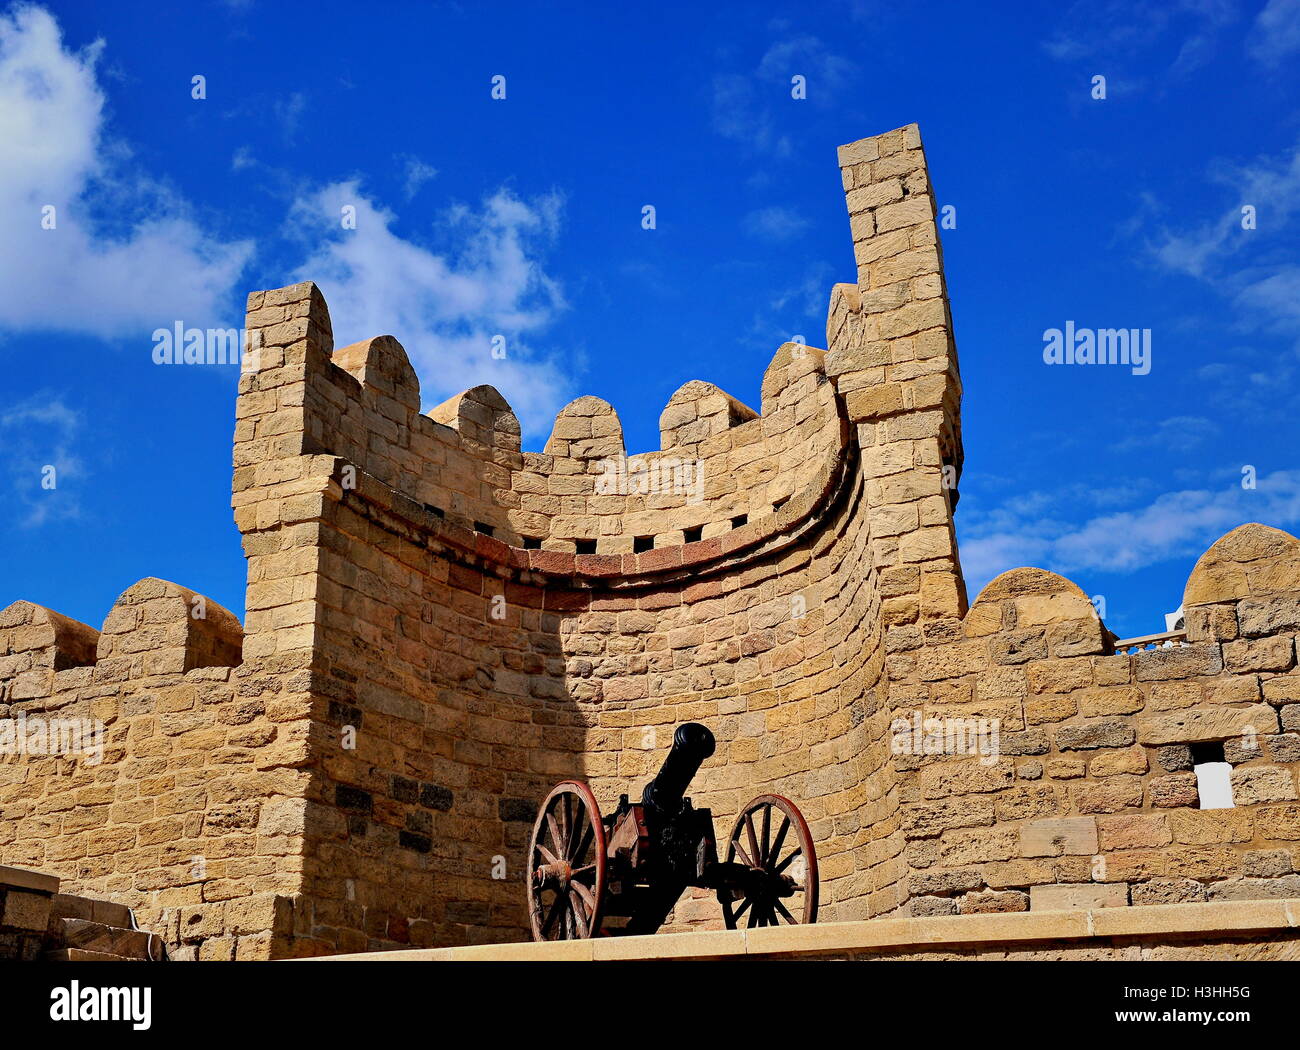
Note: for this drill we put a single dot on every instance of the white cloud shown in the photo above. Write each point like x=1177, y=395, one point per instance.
x=1275, y=35
x=444, y=308
x=157, y=264
x=1179, y=524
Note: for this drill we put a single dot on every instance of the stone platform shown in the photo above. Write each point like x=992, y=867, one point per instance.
x=1224, y=930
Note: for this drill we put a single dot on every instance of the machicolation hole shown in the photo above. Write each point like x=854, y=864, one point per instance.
x=739, y=520
x=484, y=528
x=693, y=535
x=641, y=544
x=532, y=543
x=585, y=546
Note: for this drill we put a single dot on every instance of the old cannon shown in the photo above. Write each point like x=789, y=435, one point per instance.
x=592, y=876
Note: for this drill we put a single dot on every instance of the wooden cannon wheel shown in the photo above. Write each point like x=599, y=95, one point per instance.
x=772, y=839
x=566, y=865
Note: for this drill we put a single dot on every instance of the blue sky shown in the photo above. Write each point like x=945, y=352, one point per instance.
x=522, y=217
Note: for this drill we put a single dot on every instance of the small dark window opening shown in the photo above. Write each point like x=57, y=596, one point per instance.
x=739, y=520
x=585, y=546
x=438, y=512
x=641, y=544
x=484, y=528
x=778, y=504
x=1213, y=776
x=693, y=535
x=1208, y=752
x=532, y=543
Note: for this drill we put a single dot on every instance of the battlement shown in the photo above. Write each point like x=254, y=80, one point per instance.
x=721, y=466
x=154, y=628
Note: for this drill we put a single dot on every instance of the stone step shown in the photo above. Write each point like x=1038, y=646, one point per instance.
x=87, y=935
x=69, y=906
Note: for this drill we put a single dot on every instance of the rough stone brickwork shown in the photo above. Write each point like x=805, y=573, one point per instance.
x=439, y=626
x=1093, y=800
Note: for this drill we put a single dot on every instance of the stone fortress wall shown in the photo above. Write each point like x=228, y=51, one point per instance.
x=439, y=626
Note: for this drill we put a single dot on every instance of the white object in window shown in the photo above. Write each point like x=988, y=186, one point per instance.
x=1214, y=784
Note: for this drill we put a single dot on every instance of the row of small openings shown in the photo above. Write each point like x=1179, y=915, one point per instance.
x=640, y=544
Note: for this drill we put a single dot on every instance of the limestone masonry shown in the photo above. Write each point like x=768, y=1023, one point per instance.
x=440, y=626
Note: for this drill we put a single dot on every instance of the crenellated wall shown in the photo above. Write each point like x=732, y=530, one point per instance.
x=439, y=626
x=1091, y=798
x=174, y=758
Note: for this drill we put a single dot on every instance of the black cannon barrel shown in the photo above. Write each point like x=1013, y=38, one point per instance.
x=692, y=744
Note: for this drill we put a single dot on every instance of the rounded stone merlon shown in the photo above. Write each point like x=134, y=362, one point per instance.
x=699, y=410
x=1252, y=559
x=1038, y=596
x=60, y=641
x=381, y=364
x=480, y=414
x=791, y=362
x=163, y=628
x=586, y=428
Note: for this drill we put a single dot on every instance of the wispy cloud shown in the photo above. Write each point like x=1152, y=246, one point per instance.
x=1174, y=525
x=38, y=436
x=288, y=112
x=1121, y=30
x=775, y=223
x=1253, y=269
x=745, y=104
x=797, y=309
x=1269, y=185
x=1176, y=434
x=1275, y=35
x=121, y=243
x=417, y=173
x=445, y=307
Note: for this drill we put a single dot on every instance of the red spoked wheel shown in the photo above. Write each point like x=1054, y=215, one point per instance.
x=566, y=865
x=772, y=840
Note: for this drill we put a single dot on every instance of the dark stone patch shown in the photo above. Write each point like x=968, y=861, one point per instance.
x=353, y=798
x=435, y=796
x=520, y=809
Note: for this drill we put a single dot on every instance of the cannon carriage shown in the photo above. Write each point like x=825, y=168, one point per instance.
x=592, y=876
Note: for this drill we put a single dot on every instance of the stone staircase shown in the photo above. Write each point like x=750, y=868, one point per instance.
x=85, y=930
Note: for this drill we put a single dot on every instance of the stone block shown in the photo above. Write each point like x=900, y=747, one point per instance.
x=1073, y=897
